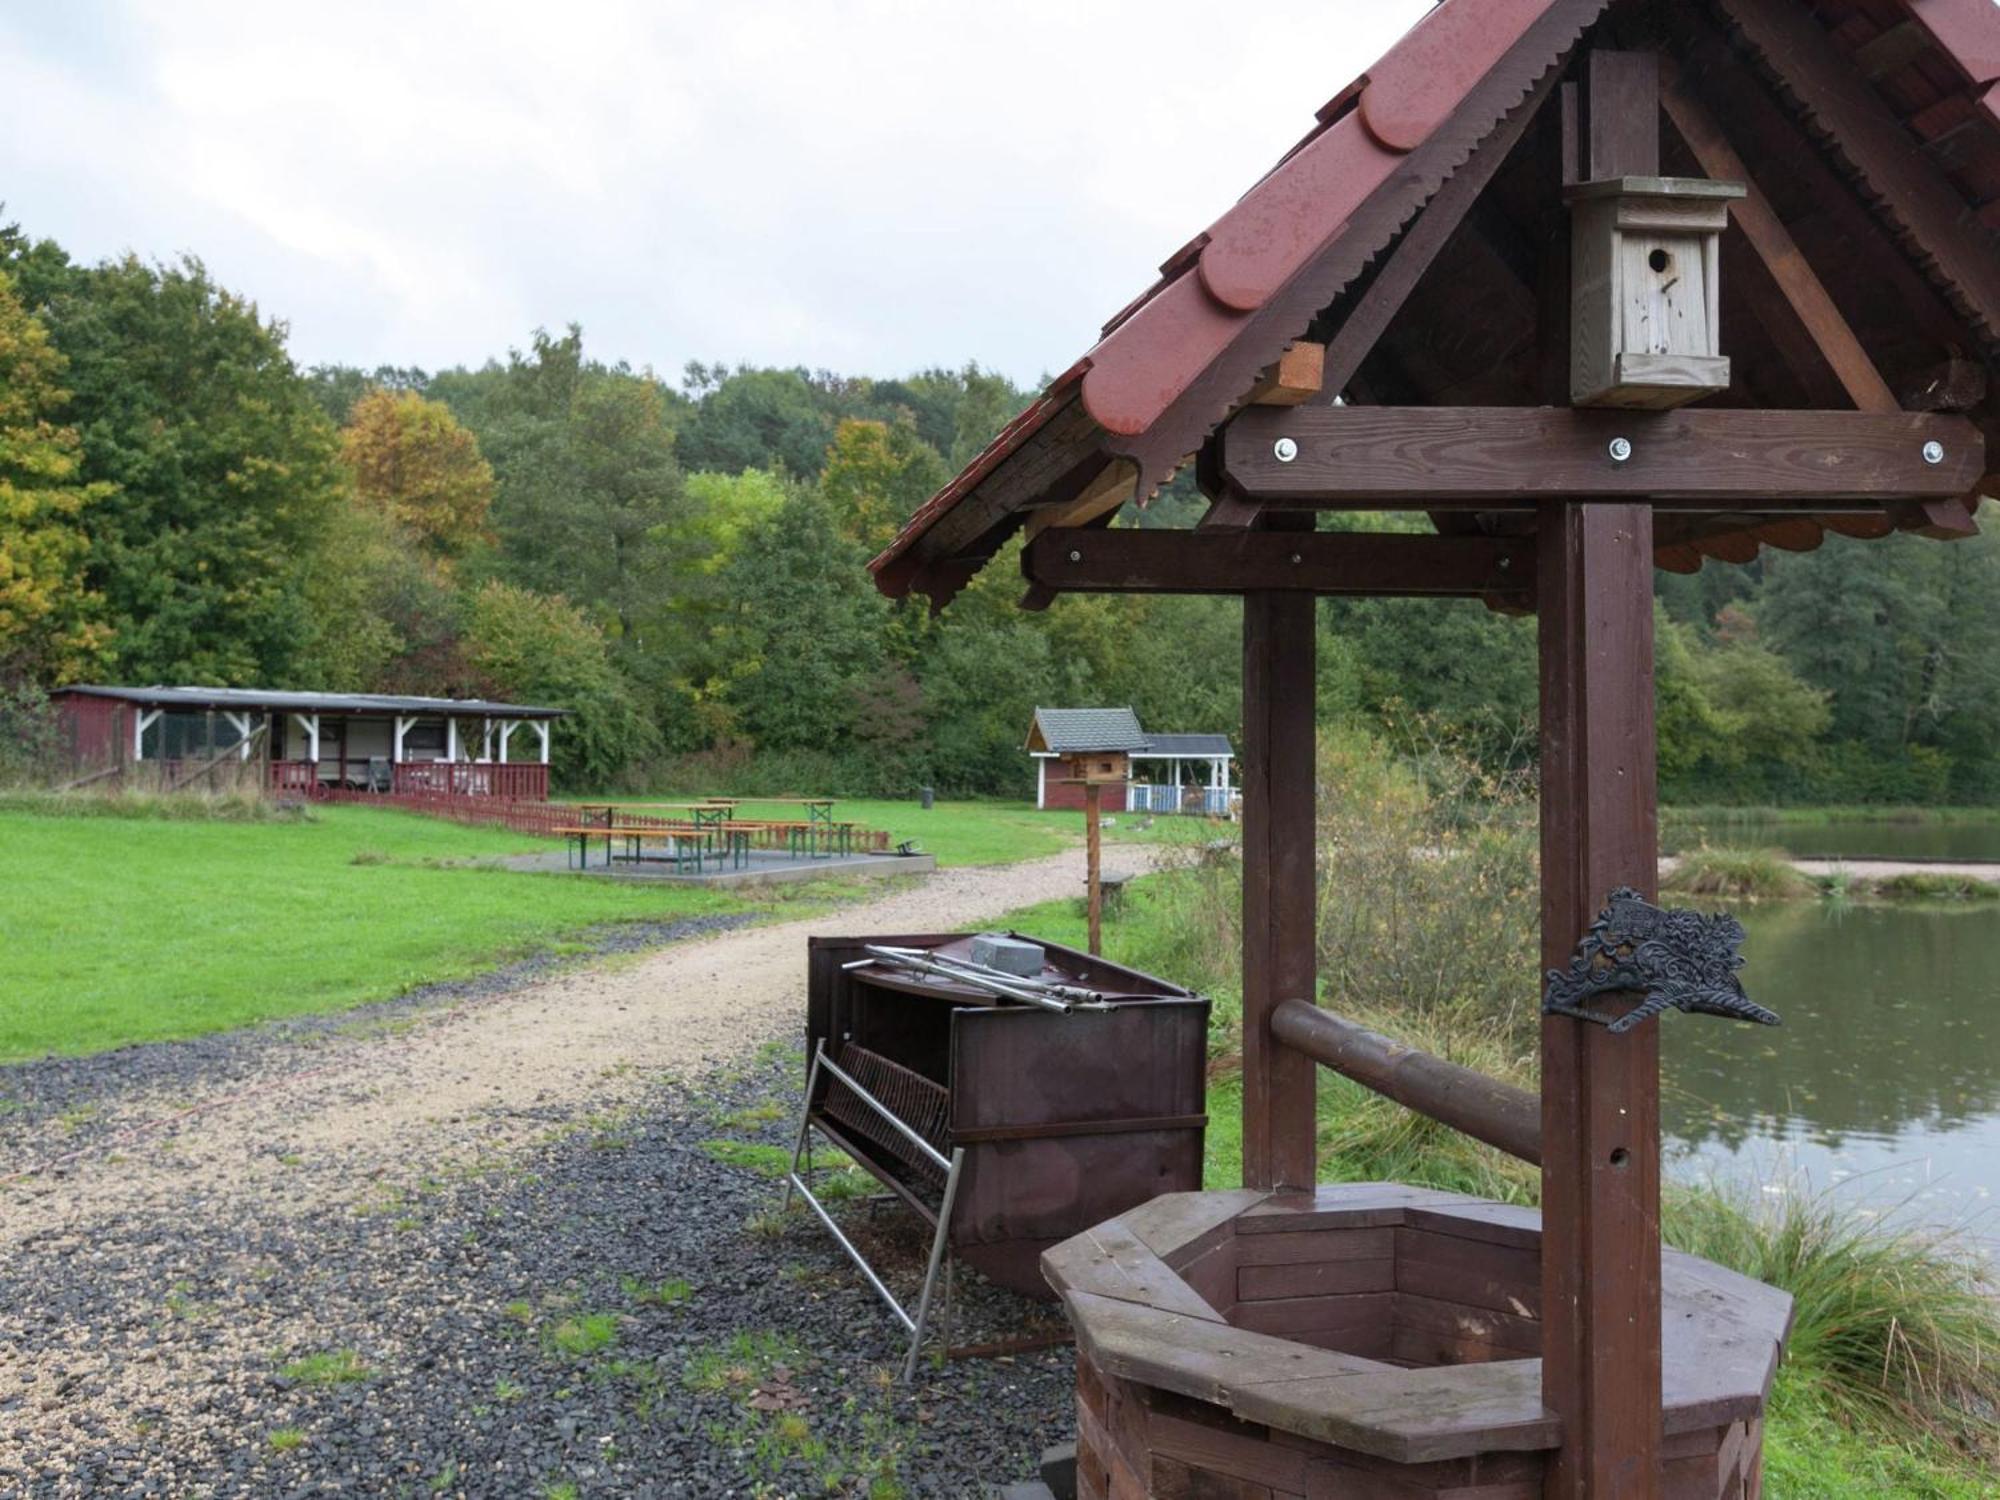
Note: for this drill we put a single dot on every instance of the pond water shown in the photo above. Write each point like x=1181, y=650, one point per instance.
x=1872, y=839
x=1884, y=1080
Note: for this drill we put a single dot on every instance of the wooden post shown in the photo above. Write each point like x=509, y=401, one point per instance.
x=1093, y=873
x=1280, y=961
x=1600, y=1093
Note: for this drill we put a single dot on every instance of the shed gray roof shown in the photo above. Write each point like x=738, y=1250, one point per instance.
x=1195, y=746
x=1069, y=730
x=309, y=703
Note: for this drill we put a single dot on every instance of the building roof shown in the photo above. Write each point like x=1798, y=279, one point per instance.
x=239, y=699
x=1189, y=746
x=1922, y=77
x=1069, y=731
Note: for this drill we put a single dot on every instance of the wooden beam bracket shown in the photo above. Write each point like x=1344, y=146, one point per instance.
x=1501, y=458
x=1363, y=563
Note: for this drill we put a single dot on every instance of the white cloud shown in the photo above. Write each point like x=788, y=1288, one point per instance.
x=869, y=185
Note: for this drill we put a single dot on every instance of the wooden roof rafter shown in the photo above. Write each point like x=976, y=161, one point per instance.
x=1441, y=116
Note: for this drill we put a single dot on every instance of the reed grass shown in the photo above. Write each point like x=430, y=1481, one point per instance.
x=1737, y=875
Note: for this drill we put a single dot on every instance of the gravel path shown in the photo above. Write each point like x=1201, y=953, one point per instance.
x=482, y=1205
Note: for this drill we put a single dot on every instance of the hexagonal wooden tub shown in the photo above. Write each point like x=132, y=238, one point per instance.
x=1369, y=1340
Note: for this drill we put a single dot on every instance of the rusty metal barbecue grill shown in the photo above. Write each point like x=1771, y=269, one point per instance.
x=1009, y=1112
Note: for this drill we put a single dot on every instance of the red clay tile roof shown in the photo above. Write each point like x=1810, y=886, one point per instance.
x=1153, y=352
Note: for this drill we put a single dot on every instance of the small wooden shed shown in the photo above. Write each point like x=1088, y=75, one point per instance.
x=1413, y=311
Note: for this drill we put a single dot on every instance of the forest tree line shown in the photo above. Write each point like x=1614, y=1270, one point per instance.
x=681, y=564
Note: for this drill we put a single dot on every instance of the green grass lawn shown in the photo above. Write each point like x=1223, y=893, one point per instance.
x=119, y=930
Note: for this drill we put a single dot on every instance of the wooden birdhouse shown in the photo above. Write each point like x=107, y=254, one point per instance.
x=1106, y=767
x=1645, y=294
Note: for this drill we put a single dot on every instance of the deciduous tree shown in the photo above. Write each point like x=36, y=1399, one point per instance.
x=418, y=467
x=50, y=626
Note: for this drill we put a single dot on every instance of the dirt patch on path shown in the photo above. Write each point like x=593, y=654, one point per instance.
x=444, y=1087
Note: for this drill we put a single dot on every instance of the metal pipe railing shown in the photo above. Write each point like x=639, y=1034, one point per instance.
x=1463, y=1098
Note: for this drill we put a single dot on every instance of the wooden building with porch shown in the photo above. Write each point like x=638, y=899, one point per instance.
x=1589, y=288
x=307, y=744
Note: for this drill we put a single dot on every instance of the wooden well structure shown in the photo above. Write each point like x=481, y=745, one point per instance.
x=1593, y=287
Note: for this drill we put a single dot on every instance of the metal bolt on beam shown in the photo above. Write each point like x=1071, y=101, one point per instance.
x=1076, y=557
x=1933, y=452
x=1284, y=450
x=1621, y=449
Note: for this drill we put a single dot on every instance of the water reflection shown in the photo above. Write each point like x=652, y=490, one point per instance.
x=1887, y=1066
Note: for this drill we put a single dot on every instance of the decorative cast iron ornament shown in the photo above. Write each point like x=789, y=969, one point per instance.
x=1671, y=956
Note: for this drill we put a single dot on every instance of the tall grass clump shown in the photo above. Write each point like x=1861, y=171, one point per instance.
x=1896, y=1326
x=1738, y=875
x=173, y=807
x=1934, y=885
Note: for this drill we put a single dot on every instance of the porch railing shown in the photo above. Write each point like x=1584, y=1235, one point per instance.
x=427, y=779
x=1204, y=801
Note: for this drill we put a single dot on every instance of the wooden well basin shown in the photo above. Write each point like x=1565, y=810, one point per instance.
x=1369, y=1340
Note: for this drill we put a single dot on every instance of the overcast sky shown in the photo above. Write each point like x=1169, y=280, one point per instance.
x=864, y=185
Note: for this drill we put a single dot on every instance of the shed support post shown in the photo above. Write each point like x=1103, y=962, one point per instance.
x=1041, y=782
x=402, y=728
x=1600, y=1093
x=506, y=728
x=310, y=724
x=1279, y=901
x=141, y=722
x=450, y=738
x=542, y=728
x=241, y=724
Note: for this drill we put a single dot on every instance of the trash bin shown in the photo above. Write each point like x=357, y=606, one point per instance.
x=924, y=797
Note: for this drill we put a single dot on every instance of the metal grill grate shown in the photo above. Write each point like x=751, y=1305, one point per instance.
x=912, y=1098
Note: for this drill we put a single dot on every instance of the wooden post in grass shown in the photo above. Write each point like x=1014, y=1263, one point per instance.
x=1093, y=796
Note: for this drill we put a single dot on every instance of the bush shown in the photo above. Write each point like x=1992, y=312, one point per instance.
x=1428, y=896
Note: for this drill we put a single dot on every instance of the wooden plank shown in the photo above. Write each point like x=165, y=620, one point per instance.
x=1502, y=1277
x=1413, y=1416
x=1280, y=957
x=1112, y=487
x=1296, y=377
x=1208, y=1361
x=1600, y=1262
x=1109, y=1261
x=1621, y=138
x=1309, y=1245
x=1340, y=1205
x=1773, y=242
x=1242, y=1453
x=1515, y=1336
x=1524, y=457
x=1177, y=1224
x=1131, y=561
x=1354, y=1322
x=1897, y=173
x=1174, y=1480
x=1494, y=1223
x=1314, y=1278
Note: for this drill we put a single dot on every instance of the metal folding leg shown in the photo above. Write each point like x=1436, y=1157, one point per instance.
x=950, y=1166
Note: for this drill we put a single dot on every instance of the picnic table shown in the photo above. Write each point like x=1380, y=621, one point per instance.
x=820, y=827
x=686, y=844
